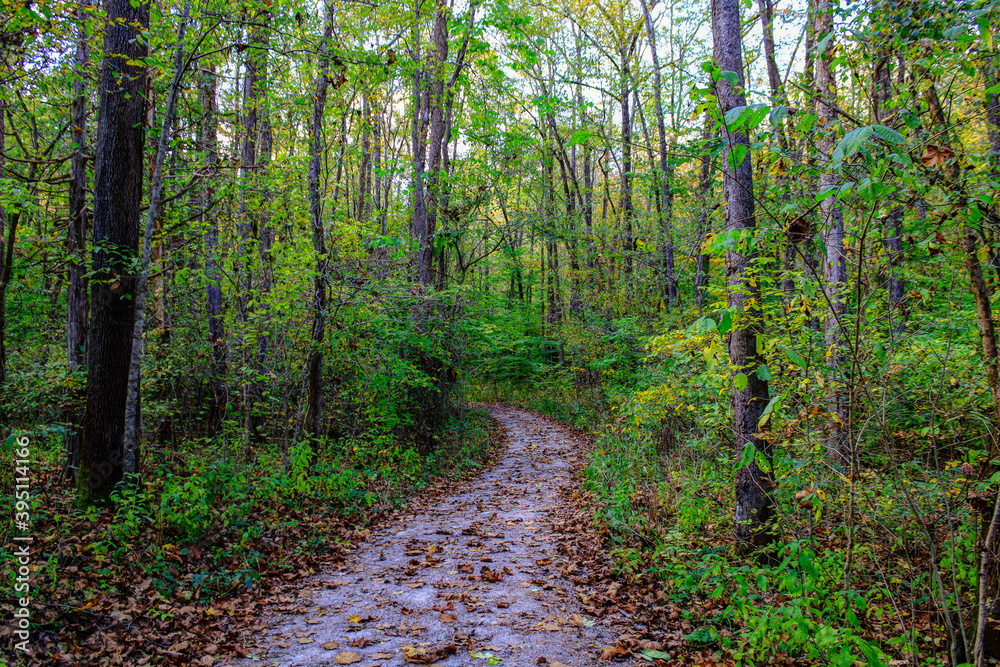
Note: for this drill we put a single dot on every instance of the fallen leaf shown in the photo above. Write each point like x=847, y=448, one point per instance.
x=347, y=658
x=330, y=646
x=612, y=652
x=420, y=656
x=447, y=618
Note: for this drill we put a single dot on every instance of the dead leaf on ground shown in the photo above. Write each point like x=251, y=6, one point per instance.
x=347, y=658
x=420, y=656
x=447, y=617
x=612, y=652
x=331, y=646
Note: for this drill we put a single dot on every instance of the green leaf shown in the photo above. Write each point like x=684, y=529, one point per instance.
x=777, y=115
x=955, y=32
x=703, y=325
x=796, y=358
x=732, y=77
x=726, y=323
x=888, y=134
x=849, y=145
x=703, y=636
x=580, y=137
x=764, y=373
x=768, y=410
x=737, y=155
x=805, y=561
x=650, y=654
x=993, y=90
x=740, y=381
x=823, y=43
x=826, y=193
x=733, y=115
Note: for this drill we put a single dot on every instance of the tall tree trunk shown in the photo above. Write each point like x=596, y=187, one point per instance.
x=207, y=88
x=76, y=236
x=588, y=217
x=253, y=93
x=76, y=296
x=782, y=184
x=892, y=232
x=365, y=170
x=628, y=240
x=418, y=152
x=754, y=480
x=314, y=406
x=835, y=262
x=7, y=238
x=704, y=211
x=118, y=176
x=133, y=420
x=665, y=175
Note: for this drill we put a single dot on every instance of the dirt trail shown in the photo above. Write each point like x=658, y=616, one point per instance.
x=476, y=573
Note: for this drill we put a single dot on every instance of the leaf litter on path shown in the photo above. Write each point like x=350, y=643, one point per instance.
x=473, y=578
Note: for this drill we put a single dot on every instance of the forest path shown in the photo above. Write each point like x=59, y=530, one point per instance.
x=473, y=579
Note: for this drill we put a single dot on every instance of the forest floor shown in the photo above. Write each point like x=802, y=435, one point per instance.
x=474, y=578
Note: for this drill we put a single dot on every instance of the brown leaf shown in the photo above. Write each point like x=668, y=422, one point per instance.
x=331, y=646
x=347, y=658
x=420, y=656
x=447, y=617
x=612, y=652
x=935, y=156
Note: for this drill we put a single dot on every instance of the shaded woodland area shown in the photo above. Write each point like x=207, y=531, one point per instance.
x=261, y=264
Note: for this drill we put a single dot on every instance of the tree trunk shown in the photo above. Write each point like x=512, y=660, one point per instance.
x=704, y=185
x=76, y=237
x=314, y=405
x=7, y=238
x=835, y=262
x=892, y=232
x=665, y=175
x=754, y=481
x=76, y=296
x=253, y=93
x=118, y=176
x=628, y=240
x=365, y=170
x=213, y=269
x=133, y=420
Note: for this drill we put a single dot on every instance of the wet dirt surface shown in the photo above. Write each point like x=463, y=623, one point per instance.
x=473, y=579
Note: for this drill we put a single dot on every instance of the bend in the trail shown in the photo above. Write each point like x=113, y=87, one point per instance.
x=470, y=580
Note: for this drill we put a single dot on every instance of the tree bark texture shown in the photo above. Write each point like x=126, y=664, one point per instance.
x=835, y=262
x=754, y=481
x=665, y=174
x=207, y=87
x=118, y=177
x=314, y=401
